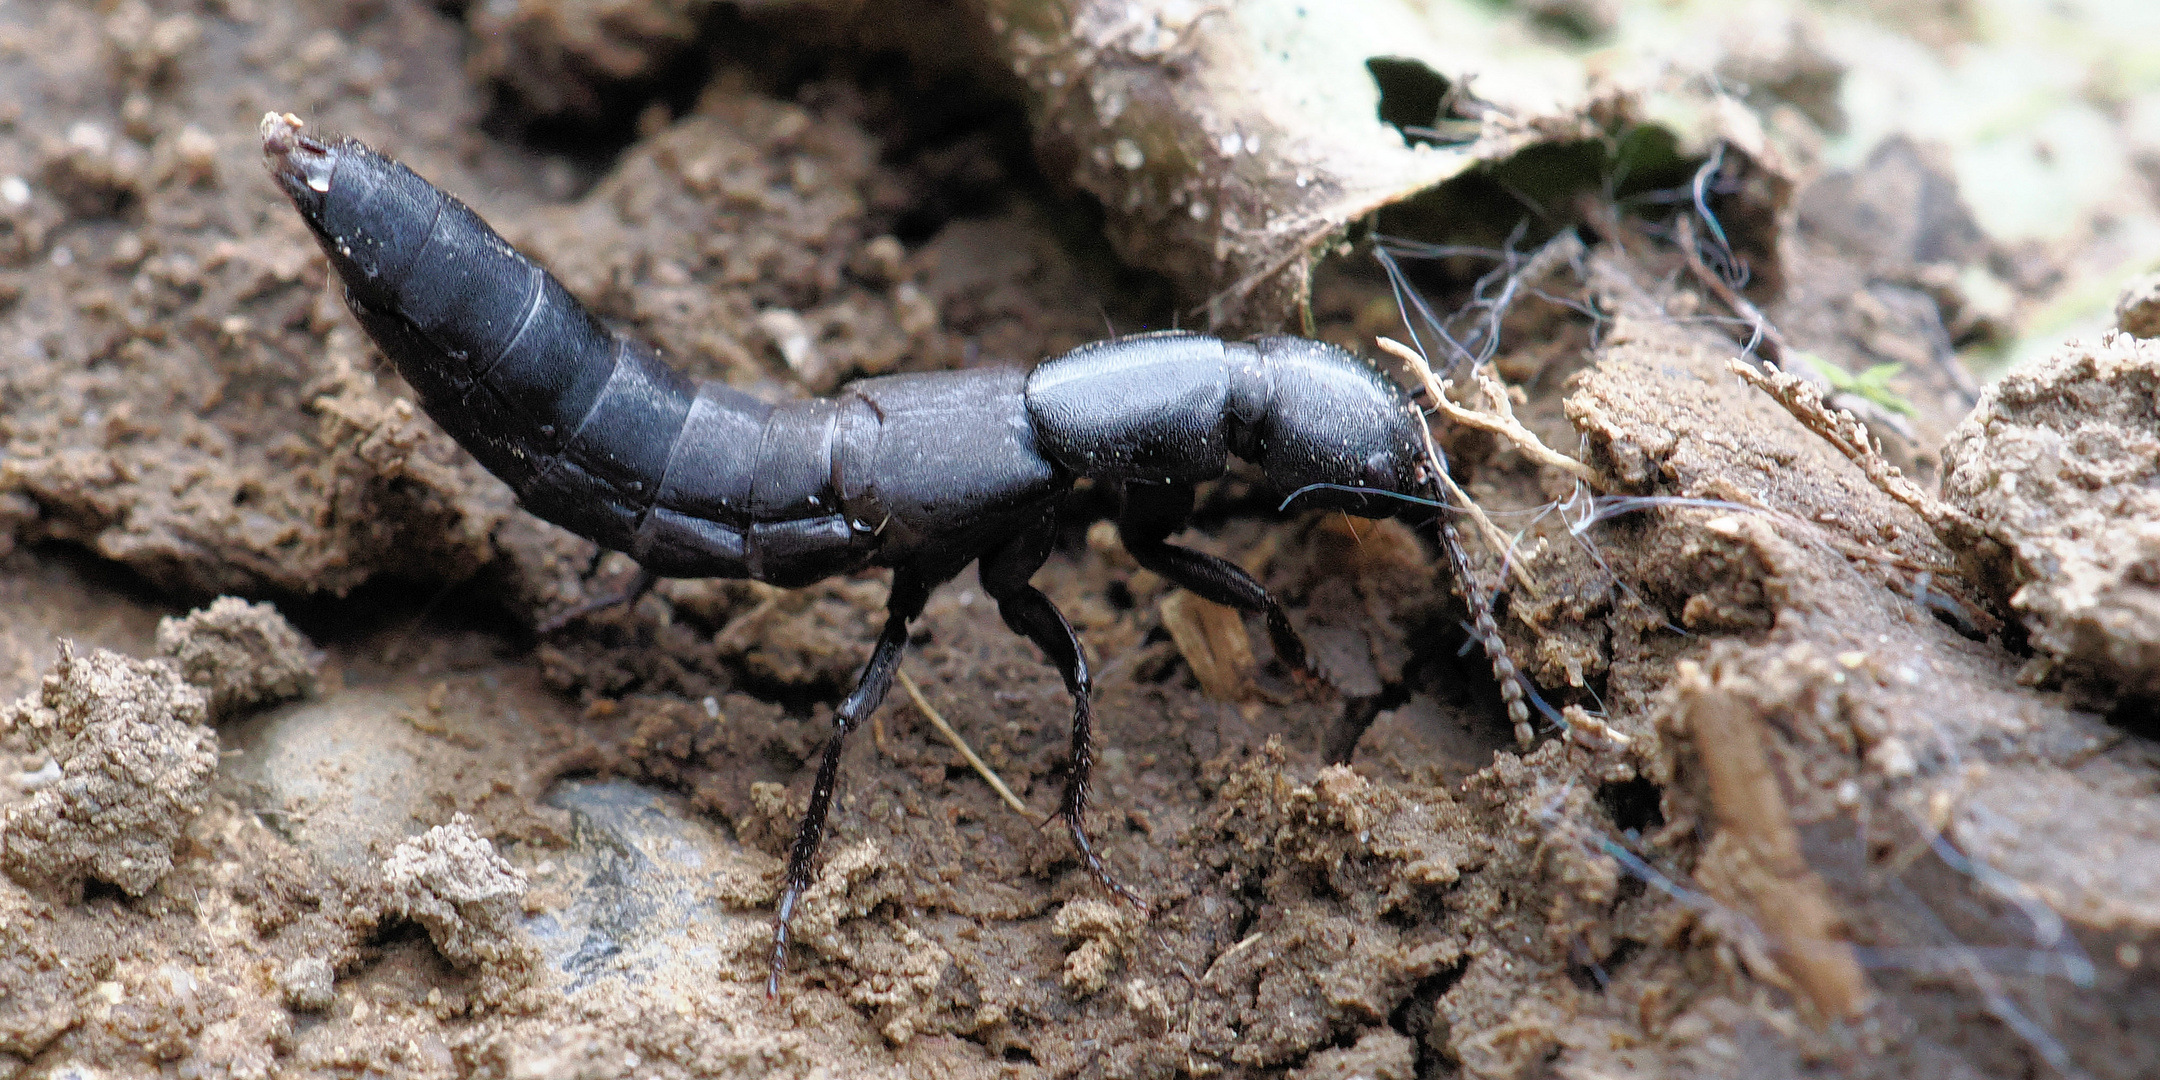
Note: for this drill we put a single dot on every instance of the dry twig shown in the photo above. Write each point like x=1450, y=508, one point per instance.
x=983, y=770
x=1845, y=433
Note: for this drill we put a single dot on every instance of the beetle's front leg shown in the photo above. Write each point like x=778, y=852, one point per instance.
x=910, y=591
x=1154, y=511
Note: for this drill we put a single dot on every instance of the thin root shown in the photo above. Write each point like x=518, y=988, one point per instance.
x=1500, y=420
x=1491, y=533
x=1739, y=304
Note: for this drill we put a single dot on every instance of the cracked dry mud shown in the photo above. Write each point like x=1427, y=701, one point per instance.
x=427, y=844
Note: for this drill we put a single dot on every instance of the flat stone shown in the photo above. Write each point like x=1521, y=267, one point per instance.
x=652, y=891
x=342, y=777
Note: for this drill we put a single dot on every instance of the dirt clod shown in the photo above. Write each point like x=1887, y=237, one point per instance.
x=129, y=764
x=1098, y=931
x=2061, y=461
x=566, y=57
x=240, y=654
x=1378, y=1055
x=450, y=881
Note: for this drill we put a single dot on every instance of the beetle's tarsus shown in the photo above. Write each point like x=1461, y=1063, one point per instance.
x=910, y=592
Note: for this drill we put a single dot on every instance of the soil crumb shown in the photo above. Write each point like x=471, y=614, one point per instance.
x=2137, y=309
x=240, y=654
x=567, y=58
x=2061, y=462
x=127, y=765
x=1099, y=932
x=450, y=880
x=1378, y=1055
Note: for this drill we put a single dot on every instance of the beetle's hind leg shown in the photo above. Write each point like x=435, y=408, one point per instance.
x=1154, y=511
x=910, y=591
x=1005, y=573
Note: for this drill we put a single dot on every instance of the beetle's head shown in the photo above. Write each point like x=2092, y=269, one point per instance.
x=1333, y=421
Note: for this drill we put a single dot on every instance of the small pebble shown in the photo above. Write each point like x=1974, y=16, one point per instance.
x=308, y=984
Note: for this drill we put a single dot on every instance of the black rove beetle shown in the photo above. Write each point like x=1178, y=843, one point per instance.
x=923, y=473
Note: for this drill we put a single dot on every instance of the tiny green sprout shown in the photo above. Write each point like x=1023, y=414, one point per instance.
x=1872, y=384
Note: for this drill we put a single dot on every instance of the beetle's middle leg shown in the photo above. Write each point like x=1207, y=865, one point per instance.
x=1154, y=511
x=1005, y=573
x=910, y=591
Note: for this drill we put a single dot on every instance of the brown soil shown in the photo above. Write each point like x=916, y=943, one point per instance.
x=1826, y=830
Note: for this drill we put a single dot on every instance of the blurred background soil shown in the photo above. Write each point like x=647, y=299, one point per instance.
x=1856, y=775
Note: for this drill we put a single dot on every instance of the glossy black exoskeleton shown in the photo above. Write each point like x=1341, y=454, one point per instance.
x=923, y=473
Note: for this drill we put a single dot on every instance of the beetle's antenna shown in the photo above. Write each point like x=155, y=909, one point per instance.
x=1379, y=492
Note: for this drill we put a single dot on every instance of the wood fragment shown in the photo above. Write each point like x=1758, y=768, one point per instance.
x=1781, y=891
x=1214, y=642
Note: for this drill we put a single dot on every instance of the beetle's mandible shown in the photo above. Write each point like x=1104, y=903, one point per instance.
x=922, y=473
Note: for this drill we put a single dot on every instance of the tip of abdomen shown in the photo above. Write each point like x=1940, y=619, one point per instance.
x=300, y=163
